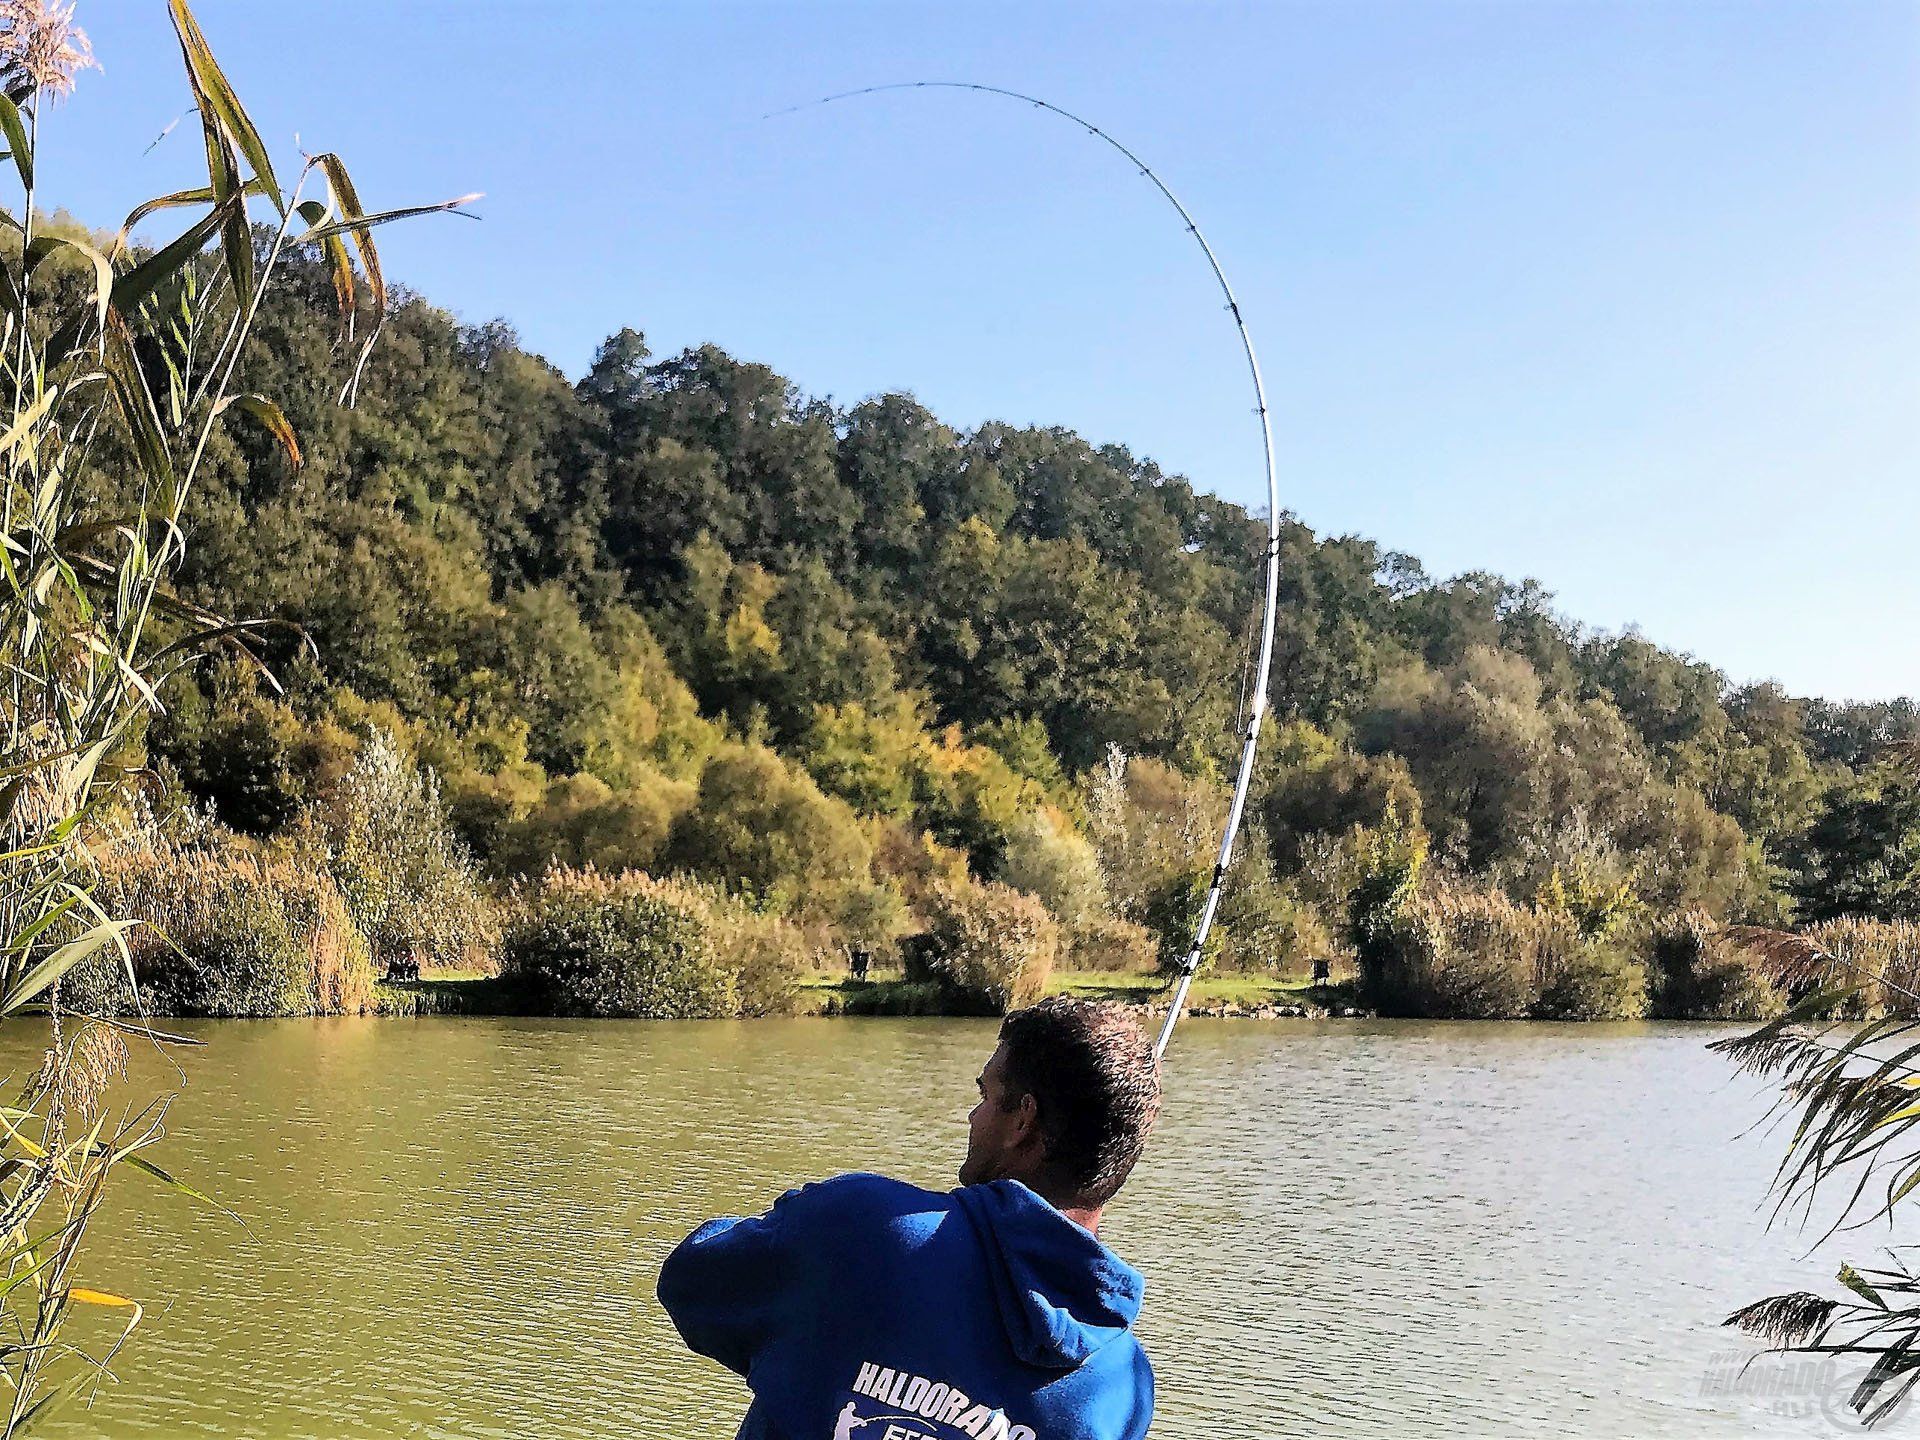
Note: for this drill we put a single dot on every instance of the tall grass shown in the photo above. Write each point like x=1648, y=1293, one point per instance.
x=226, y=931
x=113, y=387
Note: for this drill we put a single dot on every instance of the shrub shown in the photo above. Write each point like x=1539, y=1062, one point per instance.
x=1457, y=954
x=766, y=954
x=1269, y=927
x=990, y=946
x=617, y=945
x=1697, y=974
x=1451, y=951
x=1171, y=913
x=866, y=758
x=228, y=933
x=1049, y=860
x=385, y=839
x=1378, y=872
x=912, y=861
x=1591, y=980
x=1153, y=828
x=761, y=826
x=581, y=821
x=970, y=797
x=1108, y=943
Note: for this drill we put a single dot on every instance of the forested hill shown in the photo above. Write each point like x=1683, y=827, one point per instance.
x=568, y=599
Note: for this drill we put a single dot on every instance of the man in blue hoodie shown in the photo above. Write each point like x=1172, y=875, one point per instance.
x=862, y=1308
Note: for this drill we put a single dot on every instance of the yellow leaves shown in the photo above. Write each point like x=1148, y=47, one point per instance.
x=270, y=416
x=80, y=1295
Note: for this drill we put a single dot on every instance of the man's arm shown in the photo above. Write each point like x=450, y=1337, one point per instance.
x=726, y=1285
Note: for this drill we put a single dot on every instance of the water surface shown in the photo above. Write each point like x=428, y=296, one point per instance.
x=1348, y=1228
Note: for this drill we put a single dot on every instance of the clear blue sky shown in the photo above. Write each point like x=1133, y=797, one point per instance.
x=1624, y=296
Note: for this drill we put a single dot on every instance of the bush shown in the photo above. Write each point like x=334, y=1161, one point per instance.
x=1106, y=943
x=990, y=946
x=911, y=861
x=1592, y=981
x=1270, y=929
x=760, y=826
x=766, y=954
x=971, y=798
x=581, y=821
x=584, y=943
x=1153, y=828
x=1454, y=954
x=1049, y=860
x=1698, y=974
x=617, y=945
x=1376, y=870
x=1171, y=913
x=227, y=933
x=409, y=883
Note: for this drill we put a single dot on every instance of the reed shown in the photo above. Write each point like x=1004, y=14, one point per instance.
x=115, y=385
x=1850, y=1089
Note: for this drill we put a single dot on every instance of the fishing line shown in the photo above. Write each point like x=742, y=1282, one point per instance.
x=1257, y=709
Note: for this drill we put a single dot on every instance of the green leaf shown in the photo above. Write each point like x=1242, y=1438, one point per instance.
x=15, y=129
x=1851, y=1278
x=23, y=427
x=129, y=381
x=347, y=198
x=74, y=784
x=39, y=927
x=358, y=224
x=149, y=1168
x=47, y=1406
x=146, y=277
x=203, y=195
x=216, y=94
x=36, y=979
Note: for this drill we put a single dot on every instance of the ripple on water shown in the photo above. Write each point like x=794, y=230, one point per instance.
x=1355, y=1229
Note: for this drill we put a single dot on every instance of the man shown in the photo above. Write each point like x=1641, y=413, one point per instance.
x=861, y=1308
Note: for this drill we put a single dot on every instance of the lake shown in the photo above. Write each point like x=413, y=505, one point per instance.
x=1349, y=1228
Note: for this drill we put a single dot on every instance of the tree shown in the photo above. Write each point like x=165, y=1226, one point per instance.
x=1047, y=859
x=764, y=828
x=1861, y=855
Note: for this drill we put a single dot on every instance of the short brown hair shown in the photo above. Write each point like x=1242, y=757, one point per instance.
x=1093, y=1076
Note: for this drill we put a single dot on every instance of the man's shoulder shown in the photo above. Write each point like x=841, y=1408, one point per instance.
x=860, y=1209
x=865, y=1197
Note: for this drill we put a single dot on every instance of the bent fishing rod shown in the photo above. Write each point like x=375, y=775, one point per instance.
x=1190, y=965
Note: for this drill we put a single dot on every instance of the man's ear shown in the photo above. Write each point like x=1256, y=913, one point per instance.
x=1027, y=1120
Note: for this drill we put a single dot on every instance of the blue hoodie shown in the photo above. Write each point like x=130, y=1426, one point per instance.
x=864, y=1309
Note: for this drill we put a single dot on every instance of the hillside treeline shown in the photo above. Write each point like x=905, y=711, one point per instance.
x=679, y=617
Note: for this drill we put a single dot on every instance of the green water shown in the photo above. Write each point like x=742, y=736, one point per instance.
x=1348, y=1228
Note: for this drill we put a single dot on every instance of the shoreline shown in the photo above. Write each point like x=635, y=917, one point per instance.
x=827, y=996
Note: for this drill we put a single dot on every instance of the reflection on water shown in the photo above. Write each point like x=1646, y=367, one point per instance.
x=1347, y=1228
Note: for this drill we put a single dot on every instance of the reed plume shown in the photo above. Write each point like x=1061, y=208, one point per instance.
x=41, y=49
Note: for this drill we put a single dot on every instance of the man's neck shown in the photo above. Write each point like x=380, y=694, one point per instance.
x=1087, y=1219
